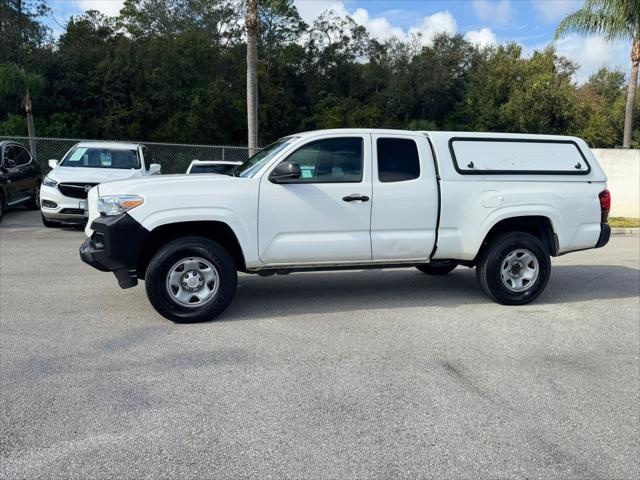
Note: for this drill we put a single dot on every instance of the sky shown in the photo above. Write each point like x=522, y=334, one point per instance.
x=530, y=23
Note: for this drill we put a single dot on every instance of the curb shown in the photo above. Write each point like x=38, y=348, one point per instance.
x=624, y=231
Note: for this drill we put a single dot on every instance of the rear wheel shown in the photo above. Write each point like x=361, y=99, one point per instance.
x=514, y=269
x=437, y=269
x=34, y=201
x=191, y=279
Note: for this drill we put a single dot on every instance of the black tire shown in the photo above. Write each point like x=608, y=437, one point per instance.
x=34, y=201
x=441, y=269
x=49, y=223
x=2, y=206
x=172, y=253
x=495, y=259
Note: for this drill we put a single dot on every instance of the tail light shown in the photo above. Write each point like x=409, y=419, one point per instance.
x=605, y=205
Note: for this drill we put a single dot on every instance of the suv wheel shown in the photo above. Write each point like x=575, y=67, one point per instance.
x=514, y=269
x=191, y=280
x=48, y=223
x=1, y=206
x=441, y=269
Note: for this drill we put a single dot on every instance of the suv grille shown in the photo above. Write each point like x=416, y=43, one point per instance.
x=75, y=190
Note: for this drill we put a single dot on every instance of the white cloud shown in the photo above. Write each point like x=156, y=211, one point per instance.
x=107, y=7
x=431, y=25
x=495, y=12
x=593, y=53
x=377, y=27
x=482, y=38
x=554, y=10
x=309, y=10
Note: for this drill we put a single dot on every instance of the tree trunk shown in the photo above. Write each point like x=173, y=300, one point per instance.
x=631, y=94
x=252, y=24
x=31, y=128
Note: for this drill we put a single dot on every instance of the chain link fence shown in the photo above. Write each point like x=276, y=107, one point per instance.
x=173, y=157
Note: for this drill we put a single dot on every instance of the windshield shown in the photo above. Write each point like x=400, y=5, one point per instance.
x=255, y=163
x=222, y=169
x=95, y=157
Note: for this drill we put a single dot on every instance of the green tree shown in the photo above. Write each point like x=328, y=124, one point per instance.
x=16, y=81
x=612, y=19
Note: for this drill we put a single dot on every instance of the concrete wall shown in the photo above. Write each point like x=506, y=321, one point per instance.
x=623, y=170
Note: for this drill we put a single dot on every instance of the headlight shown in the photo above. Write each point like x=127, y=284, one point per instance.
x=116, y=204
x=49, y=182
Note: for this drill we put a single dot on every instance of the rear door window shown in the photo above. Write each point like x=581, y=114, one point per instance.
x=398, y=160
x=22, y=156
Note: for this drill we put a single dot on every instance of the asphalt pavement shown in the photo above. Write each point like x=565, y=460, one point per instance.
x=374, y=374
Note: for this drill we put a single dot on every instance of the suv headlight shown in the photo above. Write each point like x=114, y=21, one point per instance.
x=116, y=204
x=49, y=182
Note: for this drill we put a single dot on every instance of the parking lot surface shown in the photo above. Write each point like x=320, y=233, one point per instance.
x=375, y=374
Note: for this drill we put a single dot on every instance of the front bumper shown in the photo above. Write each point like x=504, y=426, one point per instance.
x=66, y=209
x=115, y=246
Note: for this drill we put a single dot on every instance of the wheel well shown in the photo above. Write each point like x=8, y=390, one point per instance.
x=538, y=226
x=219, y=232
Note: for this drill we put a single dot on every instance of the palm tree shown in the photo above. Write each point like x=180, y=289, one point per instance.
x=613, y=20
x=15, y=80
x=252, y=23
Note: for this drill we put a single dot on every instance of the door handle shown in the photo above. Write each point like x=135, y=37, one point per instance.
x=354, y=197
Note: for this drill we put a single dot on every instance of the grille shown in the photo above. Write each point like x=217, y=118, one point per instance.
x=72, y=211
x=75, y=190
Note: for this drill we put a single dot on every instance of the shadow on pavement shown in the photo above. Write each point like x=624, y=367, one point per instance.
x=21, y=217
x=334, y=292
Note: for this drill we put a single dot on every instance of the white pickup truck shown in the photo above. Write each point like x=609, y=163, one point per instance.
x=64, y=190
x=354, y=199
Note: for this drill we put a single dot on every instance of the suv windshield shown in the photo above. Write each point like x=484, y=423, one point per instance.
x=255, y=163
x=96, y=157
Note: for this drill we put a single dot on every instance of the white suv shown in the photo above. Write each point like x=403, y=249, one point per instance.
x=64, y=190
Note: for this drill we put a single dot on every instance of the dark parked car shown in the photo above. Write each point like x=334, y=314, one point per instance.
x=20, y=177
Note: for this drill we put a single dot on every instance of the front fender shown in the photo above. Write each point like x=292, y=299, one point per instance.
x=242, y=229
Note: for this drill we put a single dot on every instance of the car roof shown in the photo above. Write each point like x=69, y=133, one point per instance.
x=11, y=142
x=355, y=131
x=431, y=134
x=110, y=145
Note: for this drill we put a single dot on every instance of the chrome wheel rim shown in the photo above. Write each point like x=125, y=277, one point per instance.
x=193, y=282
x=519, y=270
x=36, y=194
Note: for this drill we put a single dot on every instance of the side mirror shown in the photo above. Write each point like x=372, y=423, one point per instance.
x=155, y=168
x=285, y=172
x=53, y=163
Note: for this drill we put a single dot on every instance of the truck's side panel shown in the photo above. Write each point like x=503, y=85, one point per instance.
x=473, y=204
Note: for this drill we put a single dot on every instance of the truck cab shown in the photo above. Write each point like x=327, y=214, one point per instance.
x=354, y=198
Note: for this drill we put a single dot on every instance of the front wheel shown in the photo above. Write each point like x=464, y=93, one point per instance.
x=514, y=269
x=49, y=223
x=191, y=279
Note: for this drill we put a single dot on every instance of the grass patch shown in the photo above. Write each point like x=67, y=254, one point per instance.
x=624, y=222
